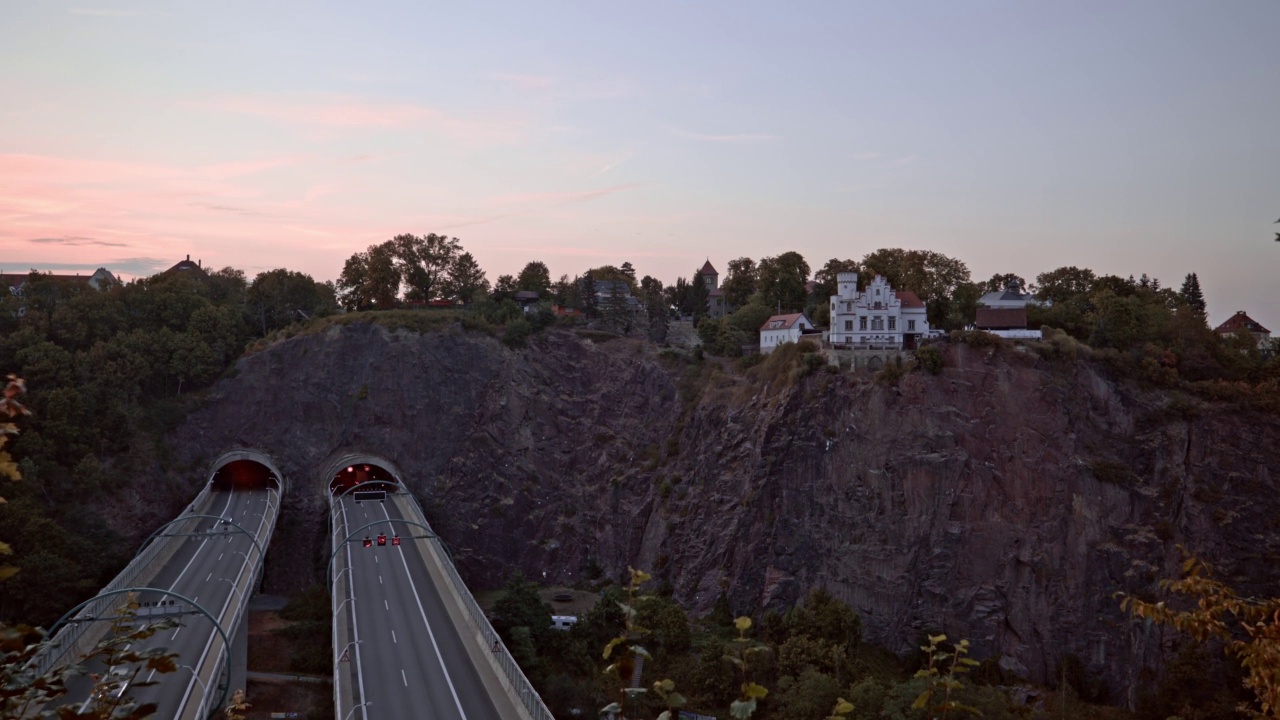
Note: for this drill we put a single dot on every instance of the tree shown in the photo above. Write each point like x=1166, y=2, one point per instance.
x=1248, y=628
x=520, y=606
x=424, y=263
x=1191, y=295
x=1064, y=284
x=535, y=277
x=629, y=272
x=783, y=280
x=466, y=280
x=1004, y=281
x=370, y=280
x=825, y=280
x=933, y=276
x=740, y=282
x=505, y=288
x=698, y=296
x=677, y=297
x=278, y=298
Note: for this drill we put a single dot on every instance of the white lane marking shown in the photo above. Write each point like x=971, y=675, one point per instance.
x=413, y=587
x=379, y=579
x=220, y=555
x=402, y=677
x=375, y=559
x=393, y=637
x=208, y=577
x=194, y=555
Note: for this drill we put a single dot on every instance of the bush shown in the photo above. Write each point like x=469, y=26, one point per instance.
x=977, y=338
x=1114, y=473
x=930, y=359
x=517, y=333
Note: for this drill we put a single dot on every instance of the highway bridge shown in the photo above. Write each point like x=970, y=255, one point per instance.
x=409, y=639
x=200, y=569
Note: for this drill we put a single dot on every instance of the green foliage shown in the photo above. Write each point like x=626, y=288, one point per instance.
x=310, y=616
x=929, y=359
x=934, y=277
x=942, y=678
x=519, y=605
x=783, y=282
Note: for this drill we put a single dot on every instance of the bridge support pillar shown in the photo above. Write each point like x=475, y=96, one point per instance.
x=240, y=655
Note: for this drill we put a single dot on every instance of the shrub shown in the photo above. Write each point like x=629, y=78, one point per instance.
x=977, y=338
x=930, y=358
x=517, y=333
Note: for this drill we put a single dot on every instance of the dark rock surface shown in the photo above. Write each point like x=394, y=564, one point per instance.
x=968, y=502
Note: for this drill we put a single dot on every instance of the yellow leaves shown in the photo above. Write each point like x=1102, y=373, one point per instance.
x=743, y=624
x=608, y=649
x=639, y=577
x=754, y=691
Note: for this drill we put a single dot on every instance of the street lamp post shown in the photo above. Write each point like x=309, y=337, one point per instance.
x=363, y=704
x=204, y=689
x=344, y=652
x=343, y=603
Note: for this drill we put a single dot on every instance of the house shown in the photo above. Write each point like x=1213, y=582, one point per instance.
x=1011, y=297
x=101, y=279
x=188, y=268
x=526, y=299
x=1242, y=321
x=613, y=292
x=1007, y=322
x=716, y=306
x=878, y=318
x=563, y=311
x=784, y=329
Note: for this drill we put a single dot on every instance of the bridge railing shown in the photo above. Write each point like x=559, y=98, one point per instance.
x=79, y=635
x=528, y=697
x=240, y=598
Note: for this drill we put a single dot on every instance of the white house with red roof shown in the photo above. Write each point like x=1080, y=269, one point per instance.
x=1242, y=321
x=781, y=329
x=878, y=318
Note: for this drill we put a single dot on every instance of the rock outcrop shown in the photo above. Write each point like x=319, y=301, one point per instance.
x=1005, y=500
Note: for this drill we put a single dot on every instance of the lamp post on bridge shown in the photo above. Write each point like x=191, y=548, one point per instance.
x=344, y=652
x=363, y=704
x=342, y=604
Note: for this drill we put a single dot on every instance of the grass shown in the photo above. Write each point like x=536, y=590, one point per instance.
x=419, y=321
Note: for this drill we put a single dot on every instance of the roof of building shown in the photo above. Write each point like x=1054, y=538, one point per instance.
x=708, y=269
x=784, y=322
x=1241, y=321
x=186, y=266
x=17, y=279
x=909, y=299
x=527, y=295
x=1001, y=318
x=1005, y=297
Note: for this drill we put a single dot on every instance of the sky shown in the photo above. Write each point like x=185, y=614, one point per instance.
x=1127, y=137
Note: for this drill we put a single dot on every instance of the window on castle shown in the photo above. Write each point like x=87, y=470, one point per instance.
x=862, y=323
x=911, y=325
x=893, y=323
x=848, y=325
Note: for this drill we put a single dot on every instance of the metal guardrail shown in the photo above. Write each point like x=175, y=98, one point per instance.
x=74, y=638
x=524, y=689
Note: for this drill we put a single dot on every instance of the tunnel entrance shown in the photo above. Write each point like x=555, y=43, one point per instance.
x=366, y=476
x=239, y=475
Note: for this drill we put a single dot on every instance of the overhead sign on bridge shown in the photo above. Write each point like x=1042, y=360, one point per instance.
x=361, y=495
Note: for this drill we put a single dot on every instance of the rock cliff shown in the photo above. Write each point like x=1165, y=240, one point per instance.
x=993, y=501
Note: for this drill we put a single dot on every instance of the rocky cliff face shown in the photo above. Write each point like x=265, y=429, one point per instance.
x=990, y=501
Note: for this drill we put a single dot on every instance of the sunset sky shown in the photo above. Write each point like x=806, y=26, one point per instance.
x=1127, y=137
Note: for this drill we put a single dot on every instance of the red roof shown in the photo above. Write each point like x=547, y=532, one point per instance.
x=909, y=299
x=707, y=269
x=1241, y=321
x=787, y=321
x=1001, y=318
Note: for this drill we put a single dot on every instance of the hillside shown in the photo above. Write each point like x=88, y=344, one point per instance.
x=994, y=501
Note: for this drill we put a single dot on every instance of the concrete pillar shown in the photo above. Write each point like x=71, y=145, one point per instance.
x=240, y=655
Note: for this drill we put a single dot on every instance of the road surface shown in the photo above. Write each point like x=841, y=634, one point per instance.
x=410, y=659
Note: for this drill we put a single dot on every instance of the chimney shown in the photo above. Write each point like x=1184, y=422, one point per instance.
x=188, y=257
x=199, y=264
